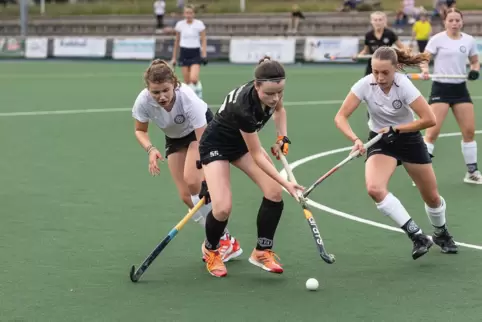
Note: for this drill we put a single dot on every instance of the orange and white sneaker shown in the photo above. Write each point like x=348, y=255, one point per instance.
x=267, y=260
x=214, y=262
x=229, y=248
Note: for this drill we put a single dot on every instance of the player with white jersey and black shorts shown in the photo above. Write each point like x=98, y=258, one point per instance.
x=392, y=100
x=183, y=117
x=192, y=43
x=378, y=37
x=451, y=49
x=232, y=138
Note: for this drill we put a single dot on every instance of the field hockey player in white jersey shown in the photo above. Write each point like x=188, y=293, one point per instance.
x=451, y=49
x=182, y=116
x=392, y=100
x=192, y=43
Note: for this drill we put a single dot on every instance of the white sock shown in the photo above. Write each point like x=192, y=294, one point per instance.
x=430, y=147
x=201, y=214
x=393, y=208
x=198, y=89
x=437, y=215
x=469, y=150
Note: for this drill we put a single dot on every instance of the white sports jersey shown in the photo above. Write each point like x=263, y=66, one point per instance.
x=190, y=33
x=387, y=109
x=187, y=114
x=451, y=55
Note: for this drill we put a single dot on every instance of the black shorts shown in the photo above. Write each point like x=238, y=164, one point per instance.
x=174, y=145
x=449, y=93
x=189, y=57
x=408, y=147
x=421, y=45
x=221, y=143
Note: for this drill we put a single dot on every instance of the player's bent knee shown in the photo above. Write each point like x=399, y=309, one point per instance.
x=432, y=199
x=275, y=195
x=377, y=192
x=193, y=184
x=221, y=209
x=468, y=134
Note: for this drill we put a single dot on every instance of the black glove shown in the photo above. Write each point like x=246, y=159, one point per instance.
x=204, y=60
x=473, y=75
x=390, y=136
x=204, y=193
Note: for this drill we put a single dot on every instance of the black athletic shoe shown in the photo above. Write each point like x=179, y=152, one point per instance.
x=421, y=245
x=446, y=242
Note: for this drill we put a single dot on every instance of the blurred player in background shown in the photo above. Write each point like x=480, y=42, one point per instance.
x=392, y=100
x=379, y=36
x=182, y=116
x=451, y=50
x=421, y=32
x=192, y=43
x=232, y=137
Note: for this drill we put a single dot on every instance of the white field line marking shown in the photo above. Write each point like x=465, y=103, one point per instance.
x=350, y=216
x=113, y=110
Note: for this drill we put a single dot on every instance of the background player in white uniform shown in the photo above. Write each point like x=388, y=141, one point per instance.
x=451, y=49
x=182, y=116
x=392, y=100
x=192, y=43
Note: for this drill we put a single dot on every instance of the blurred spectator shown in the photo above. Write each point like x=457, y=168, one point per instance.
x=296, y=15
x=421, y=31
x=159, y=11
x=350, y=5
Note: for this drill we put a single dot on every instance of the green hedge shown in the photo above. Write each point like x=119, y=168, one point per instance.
x=121, y=7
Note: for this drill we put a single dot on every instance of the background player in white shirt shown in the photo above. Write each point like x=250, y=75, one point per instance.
x=192, y=43
x=182, y=116
x=451, y=49
x=392, y=100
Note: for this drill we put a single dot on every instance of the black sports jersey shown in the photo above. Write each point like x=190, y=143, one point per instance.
x=243, y=110
x=388, y=38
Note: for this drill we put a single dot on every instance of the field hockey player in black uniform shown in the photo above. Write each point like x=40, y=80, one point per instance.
x=378, y=37
x=232, y=138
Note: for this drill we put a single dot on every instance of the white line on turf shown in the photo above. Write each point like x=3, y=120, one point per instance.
x=113, y=110
x=350, y=216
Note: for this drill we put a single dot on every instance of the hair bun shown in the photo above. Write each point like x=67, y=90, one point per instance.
x=265, y=58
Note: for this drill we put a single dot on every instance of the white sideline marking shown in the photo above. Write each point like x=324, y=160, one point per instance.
x=350, y=216
x=113, y=110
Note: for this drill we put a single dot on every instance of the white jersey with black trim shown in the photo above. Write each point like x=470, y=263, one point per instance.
x=190, y=33
x=387, y=109
x=187, y=114
x=451, y=55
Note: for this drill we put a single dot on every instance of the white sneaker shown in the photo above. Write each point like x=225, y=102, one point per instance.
x=474, y=178
x=413, y=184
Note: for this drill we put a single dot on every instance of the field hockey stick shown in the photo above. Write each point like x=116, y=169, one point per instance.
x=342, y=163
x=358, y=57
x=430, y=76
x=135, y=275
x=328, y=258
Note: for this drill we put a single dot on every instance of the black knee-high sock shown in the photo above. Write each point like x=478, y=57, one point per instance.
x=269, y=215
x=214, y=230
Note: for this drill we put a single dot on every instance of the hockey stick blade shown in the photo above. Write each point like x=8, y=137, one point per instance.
x=327, y=257
x=315, y=231
x=135, y=274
